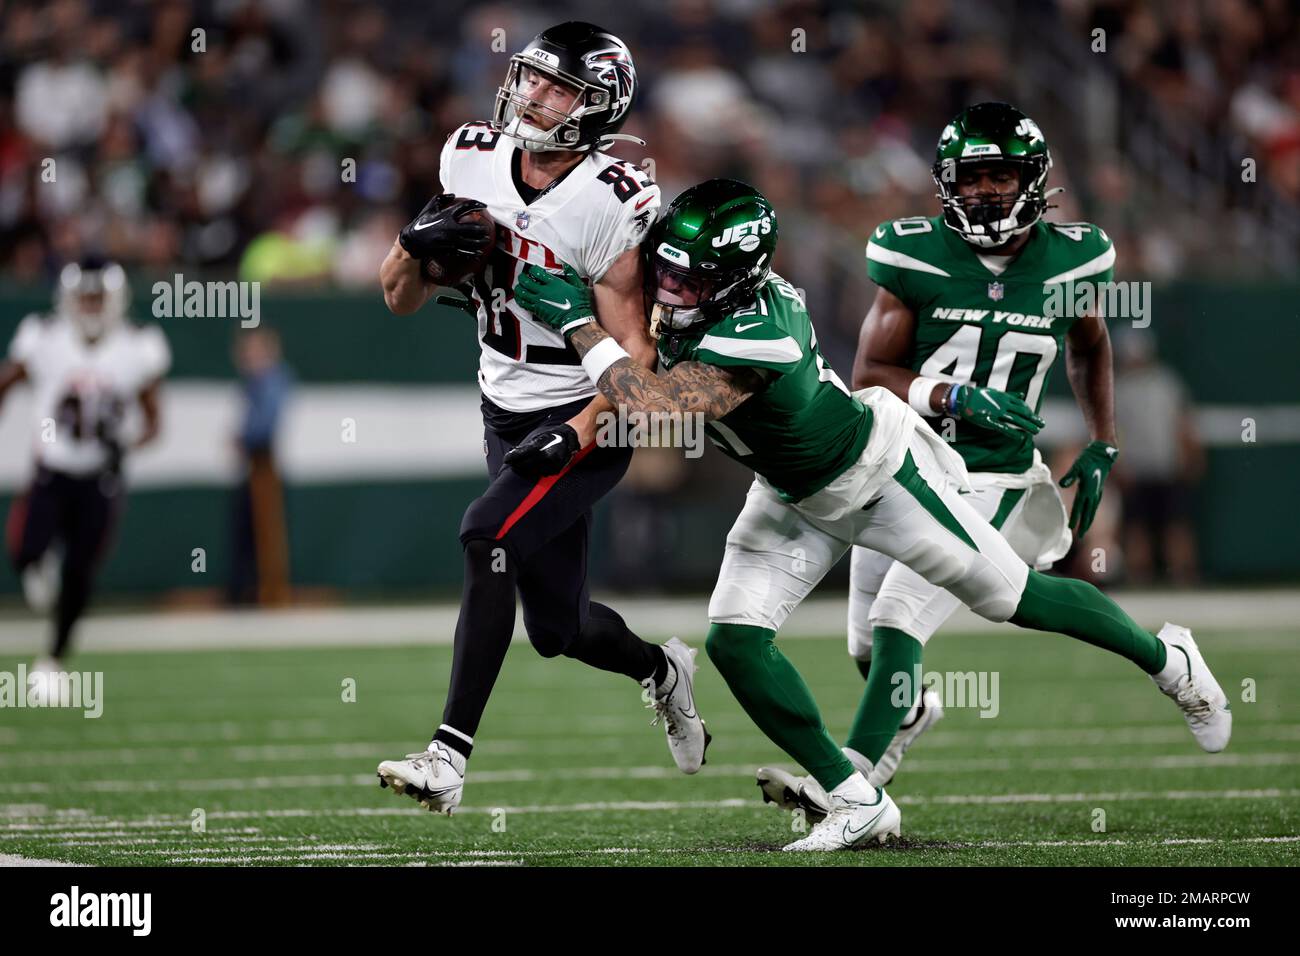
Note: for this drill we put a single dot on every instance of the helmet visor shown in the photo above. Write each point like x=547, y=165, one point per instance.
x=675, y=287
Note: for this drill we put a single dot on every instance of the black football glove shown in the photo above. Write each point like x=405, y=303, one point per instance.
x=436, y=233
x=464, y=302
x=545, y=452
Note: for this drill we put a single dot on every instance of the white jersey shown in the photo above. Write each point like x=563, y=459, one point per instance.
x=598, y=211
x=83, y=391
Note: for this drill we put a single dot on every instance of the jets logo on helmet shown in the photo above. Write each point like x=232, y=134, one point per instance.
x=1029, y=130
x=985, y=135
x=745, y=234
x=591, y=62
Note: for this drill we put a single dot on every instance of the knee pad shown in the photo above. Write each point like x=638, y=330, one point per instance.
x=860, y=641
x=482, y=520
x=990, y=595
x=893, y=611
x=489, y=555
x=861, y=606
x=550, y=643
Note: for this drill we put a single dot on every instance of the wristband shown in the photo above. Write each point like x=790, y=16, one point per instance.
x=575, y=324
x=919, y=392
x=950, y=400
x=605, y=353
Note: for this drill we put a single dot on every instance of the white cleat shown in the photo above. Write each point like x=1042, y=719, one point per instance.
x=41, y=580
x=434, y=778
x=927, y=715
x=1187, y=679
x=688, y=738
x=852, y=824
x=791, y=793
x=45, y=684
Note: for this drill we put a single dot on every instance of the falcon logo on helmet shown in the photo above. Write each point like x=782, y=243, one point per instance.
x=992, y=134
x=582, y=57
x=613, y=67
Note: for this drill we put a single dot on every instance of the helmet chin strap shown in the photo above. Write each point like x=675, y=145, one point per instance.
x=534, y=146
x=672, y=318
x=532, y=138
x=608, y=139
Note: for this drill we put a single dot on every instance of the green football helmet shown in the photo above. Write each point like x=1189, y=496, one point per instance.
x=992, y=134
x=708, y=254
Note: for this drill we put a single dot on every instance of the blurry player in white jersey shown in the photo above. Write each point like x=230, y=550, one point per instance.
x=88, y=368
x=538, y=169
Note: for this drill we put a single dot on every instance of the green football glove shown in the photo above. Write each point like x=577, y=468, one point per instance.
x=563, y=302
x=1089, y=470
x=989, y=408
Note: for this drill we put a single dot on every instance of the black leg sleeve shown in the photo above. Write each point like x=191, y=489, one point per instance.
x=483, y=630
x=606, y=642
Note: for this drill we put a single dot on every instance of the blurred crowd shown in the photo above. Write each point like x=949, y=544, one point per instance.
x=288, y=139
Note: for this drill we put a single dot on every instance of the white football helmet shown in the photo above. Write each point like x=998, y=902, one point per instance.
x=93, y=293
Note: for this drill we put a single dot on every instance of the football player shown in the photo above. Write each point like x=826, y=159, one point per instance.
x=971, y=350
x=87, y=367
x=539, y=169
x=962, y=330
x=833, y=470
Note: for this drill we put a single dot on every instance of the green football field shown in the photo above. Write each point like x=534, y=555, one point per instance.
x=255, y=757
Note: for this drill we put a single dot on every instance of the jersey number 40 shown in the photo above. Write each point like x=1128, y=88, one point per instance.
x=1019, y=364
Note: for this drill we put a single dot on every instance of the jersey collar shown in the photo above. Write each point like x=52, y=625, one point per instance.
x=552, y=199
x=1026, y=261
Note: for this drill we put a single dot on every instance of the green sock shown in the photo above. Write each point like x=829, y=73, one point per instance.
x=1078, y=609
x=776, y=698
x=883, y=707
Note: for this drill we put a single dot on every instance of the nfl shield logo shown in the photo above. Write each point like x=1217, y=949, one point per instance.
x=521, y=219
x=995, y=291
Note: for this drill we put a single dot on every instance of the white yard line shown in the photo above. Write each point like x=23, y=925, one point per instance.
x=1072, y=737
x=735, y=803
x=359, y=626
x=360, y=852
x=520, y=857
x=652, y=772
x=9, y=859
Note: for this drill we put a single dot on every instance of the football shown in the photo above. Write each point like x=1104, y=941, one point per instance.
x=455, y=268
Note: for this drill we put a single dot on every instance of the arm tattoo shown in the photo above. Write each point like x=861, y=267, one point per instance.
x=687, y=388
x=587, y=337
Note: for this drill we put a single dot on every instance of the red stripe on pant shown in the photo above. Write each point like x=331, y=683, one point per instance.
x=14, y=526
x=539, y=492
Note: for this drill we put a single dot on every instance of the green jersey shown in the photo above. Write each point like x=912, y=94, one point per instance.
x=804, y=429
x=999, y=330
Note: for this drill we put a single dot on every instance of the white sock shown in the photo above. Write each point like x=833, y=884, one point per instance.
x=855, y=789
x=457, y=759
x=670, y=679
x=1175, y=667
x=860, y=763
